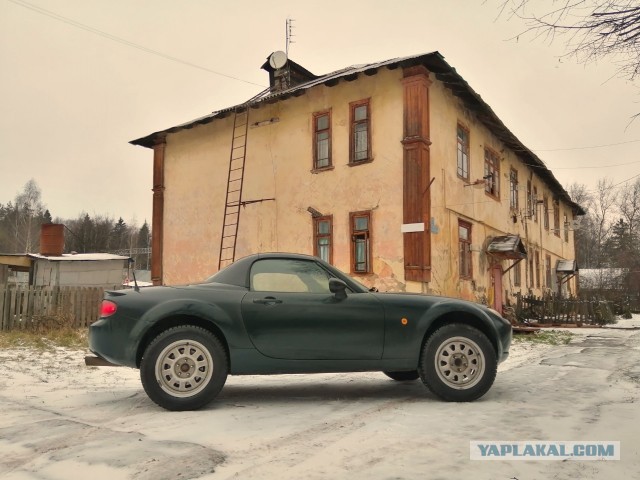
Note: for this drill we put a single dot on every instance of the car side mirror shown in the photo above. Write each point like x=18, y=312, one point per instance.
x=338, y=288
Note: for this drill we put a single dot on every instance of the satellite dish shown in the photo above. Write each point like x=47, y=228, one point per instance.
x=278, y=59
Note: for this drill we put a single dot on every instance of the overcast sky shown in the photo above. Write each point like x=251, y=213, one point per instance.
x=72, y=99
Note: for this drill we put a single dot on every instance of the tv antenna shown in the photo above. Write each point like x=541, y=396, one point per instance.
x=288, y=34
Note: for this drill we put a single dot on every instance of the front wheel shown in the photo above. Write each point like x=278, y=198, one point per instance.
x=184, y=368
x=458, y=363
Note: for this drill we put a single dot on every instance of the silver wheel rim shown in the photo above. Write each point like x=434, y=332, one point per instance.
x=184, y=368
x=459, y=363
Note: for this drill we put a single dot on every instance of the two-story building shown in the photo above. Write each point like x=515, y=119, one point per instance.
x=397, y=172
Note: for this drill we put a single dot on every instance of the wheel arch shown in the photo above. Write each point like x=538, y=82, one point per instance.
x=465, y=318
x=179, y=320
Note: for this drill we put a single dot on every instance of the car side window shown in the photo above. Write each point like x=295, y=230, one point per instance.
x=286, y=275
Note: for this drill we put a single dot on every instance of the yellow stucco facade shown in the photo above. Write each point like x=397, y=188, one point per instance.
x=282, y=187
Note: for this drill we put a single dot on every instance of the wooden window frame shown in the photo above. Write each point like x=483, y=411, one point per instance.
x=547, y=270
x=513, y=189
x=529, y=199
x=315, y=118
x=352, y=127
x=517, y=274
x=556, y=218
x=317, y=236
x=545, y=211
x=492, y=167
x=355, y=234
x=462, y=149
x=566, y=227
x=464, y=249
x=537, y=266
x=534, y=200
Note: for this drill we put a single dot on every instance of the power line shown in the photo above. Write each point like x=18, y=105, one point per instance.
x=122, y=41
x=625, y=181
x=585, y=147
x=601, y=166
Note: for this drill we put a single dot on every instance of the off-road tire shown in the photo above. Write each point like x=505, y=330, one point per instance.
x=458, y=363
x=184, y=368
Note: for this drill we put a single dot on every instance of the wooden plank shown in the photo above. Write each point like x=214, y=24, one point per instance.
x=4, y=291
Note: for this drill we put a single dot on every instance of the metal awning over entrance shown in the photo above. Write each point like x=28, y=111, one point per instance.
x=566, y=270
x=507, y=247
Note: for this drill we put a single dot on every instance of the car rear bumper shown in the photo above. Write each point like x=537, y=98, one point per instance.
x=109, y=340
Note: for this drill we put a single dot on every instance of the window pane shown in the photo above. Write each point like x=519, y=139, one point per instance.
x=360, y=142
x=322, y=149
x=324, y=226
x=323, y=249
x=288, y=276
x=322, y=122
x=463, y=233
x=463, y=153
x=361, y=223
x=361, y=254
x=360, y=113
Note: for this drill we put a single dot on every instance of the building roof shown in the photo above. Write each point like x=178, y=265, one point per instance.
x=65, y=257
x=79, y=257
x=436, y=64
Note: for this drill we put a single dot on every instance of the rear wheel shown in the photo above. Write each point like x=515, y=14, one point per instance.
x=458, y=363
x=403, y=376
x=184, y=368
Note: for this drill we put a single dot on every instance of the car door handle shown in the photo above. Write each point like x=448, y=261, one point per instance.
x=267, y=300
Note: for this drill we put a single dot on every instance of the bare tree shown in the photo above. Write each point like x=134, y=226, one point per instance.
x=593, y=29
x=585, y=238
x=603, y=210
x=628, y=203
x=29, y=213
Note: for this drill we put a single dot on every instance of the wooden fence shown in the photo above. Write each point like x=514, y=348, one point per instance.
x=555, y=310
x=28, y=308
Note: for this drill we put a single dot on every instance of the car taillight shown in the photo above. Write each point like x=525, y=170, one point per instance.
x=107, y=308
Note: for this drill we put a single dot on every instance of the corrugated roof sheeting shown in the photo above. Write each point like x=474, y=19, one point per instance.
x=566, y=266
x=436, y=64
x=508, y=246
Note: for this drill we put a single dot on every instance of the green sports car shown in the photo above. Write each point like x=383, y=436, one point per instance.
x=279, y=313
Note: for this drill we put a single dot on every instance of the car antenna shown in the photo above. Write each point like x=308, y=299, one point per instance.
x=133, y=272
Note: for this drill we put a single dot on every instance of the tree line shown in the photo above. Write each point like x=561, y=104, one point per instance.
x=22, y=217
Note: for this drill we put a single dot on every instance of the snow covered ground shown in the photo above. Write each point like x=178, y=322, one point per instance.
x=62, y=420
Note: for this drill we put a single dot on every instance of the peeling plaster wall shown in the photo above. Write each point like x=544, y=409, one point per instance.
x=279, y=164
x=454, y=199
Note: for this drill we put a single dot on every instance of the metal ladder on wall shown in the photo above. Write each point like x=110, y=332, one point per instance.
x=235, y=180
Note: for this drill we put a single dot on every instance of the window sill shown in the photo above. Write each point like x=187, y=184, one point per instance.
x=360, y=162
x=322, y=169
x=496, y=198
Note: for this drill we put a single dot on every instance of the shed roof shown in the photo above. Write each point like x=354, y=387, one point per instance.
x=436, y=64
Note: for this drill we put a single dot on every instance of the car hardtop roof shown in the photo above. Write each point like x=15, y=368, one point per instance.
x=237, y=273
